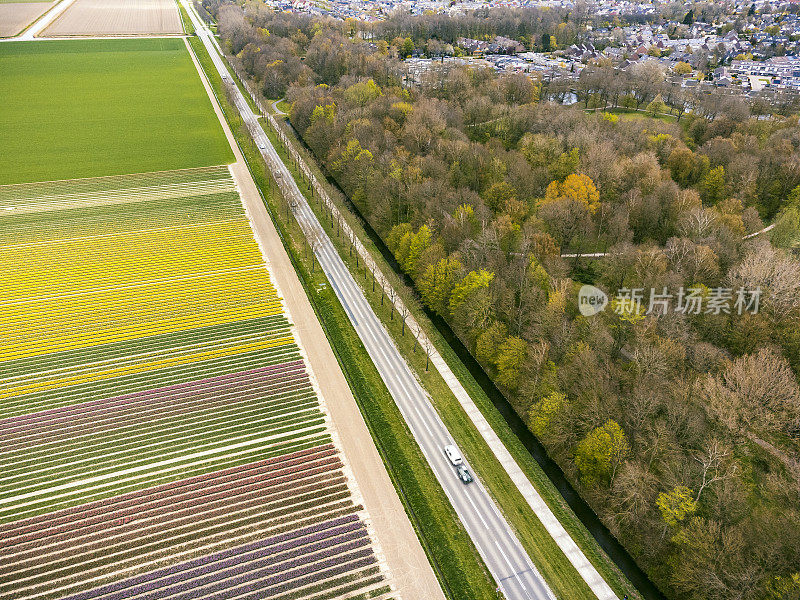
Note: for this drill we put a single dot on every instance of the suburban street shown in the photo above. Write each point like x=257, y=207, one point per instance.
x=499, y=547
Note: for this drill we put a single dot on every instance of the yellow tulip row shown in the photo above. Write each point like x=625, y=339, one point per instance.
x=79, y=338
x=246, y=292
x=111, y=286
x=119, y=260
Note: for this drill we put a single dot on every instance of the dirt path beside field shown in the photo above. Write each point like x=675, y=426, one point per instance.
x=411, y=572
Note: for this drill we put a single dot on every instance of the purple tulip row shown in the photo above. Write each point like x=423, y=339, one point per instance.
x=191, y=513
x=255, y=564
x=333, y=527
x=282, y=583
x=80, y=415
x=9, y=532
x=351, y=569
x=253, y=577
x=11, y=423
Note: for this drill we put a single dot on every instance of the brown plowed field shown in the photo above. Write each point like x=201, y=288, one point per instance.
x=16, y=16
x=117, y=17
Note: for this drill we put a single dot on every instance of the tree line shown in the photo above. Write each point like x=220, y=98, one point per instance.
x=680, y=428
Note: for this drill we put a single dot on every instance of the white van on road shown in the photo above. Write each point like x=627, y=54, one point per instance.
x=453, y=455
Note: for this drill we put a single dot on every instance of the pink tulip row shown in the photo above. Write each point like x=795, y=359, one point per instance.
x=269, y=393
x=82, y=413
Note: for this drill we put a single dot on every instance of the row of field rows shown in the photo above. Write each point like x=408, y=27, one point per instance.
x=160, y=436
x=262, y=519
x=91, y=223
x=11, y=194
x=54, y=328
x=112, y=198
x=108, y=261
x=14, y=371
x=145, y=379
x=74, y=373
x=57, y=378
x=226, y=413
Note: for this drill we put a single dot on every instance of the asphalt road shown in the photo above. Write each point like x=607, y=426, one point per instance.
x=501, y=550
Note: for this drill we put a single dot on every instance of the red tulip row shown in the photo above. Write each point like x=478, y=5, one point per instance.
x=263, y=487
x=9, y=531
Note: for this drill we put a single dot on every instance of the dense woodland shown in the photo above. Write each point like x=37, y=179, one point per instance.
x=681, y=430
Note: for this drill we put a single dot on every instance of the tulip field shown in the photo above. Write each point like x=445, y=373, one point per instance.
x=160, y=434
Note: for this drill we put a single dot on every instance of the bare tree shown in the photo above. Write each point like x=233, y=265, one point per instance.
x=757, y=391
x=315, y=242
x=776, y=273
x=404, y=314
x=713, y=465
x=428, y=347
x=392, y=295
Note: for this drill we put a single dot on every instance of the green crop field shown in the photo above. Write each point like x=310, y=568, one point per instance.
x=84, y=108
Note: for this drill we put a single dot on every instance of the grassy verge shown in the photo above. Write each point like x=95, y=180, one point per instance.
x=245, y=93
x=188, y=27
x=458, y=564
x=554, y=566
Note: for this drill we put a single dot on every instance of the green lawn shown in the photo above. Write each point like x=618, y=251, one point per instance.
x=629, y=113
x=84, y=108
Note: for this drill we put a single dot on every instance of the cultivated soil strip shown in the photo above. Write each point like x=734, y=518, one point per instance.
x=16, y=16
x=117, y=17
x=411, y=572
